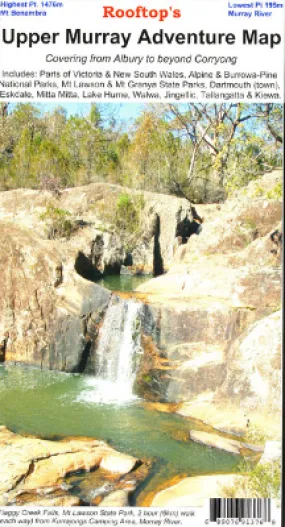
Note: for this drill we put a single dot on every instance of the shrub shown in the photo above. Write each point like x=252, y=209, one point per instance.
x=255, y=435
x=265, y=480
x=259, y=481
x=276, y=192
x=258, y=191
x=128, y=213
x=249, y=224
x=59, y=221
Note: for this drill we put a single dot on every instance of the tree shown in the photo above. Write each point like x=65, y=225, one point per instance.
x=210, y=127
x=50, y=161
x=272, y=117
x=95, y=116
x=212, y=131
x=153, y=153
x=194, y=150
x=55, y=123
x=6, y=143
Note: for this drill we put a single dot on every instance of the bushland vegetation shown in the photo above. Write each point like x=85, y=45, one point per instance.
x=200, y=151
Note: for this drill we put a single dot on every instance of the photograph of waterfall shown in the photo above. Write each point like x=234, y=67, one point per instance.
x=140, y=303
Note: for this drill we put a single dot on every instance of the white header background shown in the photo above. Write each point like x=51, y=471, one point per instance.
x=208, y=15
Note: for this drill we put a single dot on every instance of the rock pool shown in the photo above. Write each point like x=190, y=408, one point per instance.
x=52, y=404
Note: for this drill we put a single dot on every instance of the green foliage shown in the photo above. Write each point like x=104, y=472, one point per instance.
x=255, y=435
x=251, y=156
x=196, y=150
x=147, y=379
x=264, y=480
x=123, y=216
x=59, y=222
x=247, y=231
x=258, y=192
x=259, y=481
x=95, y=115
x=275, y=193
x=128, y=213
x=249, y=224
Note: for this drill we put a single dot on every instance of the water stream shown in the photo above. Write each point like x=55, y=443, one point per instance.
x=52, y=404
x=124, y=283
x=118, y=352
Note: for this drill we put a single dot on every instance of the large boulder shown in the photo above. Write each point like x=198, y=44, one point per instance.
x=219, y=284
x=192, y=492
x=251, y=213
x=96, y=253
x=44, y=306
x=215, y=441
x=272, y=452
x=186, y=345
x=92, y=210
x=254, y=366
x=118, y=498
x=118, y=463
x=33, y=470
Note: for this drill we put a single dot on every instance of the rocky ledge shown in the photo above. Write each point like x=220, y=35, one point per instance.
x=192, y=492
x=35, y=471
x=207, y=324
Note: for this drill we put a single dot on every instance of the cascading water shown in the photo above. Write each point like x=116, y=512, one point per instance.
x=117, y=353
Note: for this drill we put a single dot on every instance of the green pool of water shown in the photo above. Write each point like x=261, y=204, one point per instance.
x=52, y=404
x=123, y=282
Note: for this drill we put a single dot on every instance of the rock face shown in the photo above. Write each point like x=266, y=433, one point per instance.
x=44, y=311
x=118, y=498
x=192, y=492
x=33, y=471
x=254, y=366
x=213, y=440
x=186, y=347
x=191, y=349
x=93, y=243
x=272, y=452
x=212, y=319
x=117, y=463
x=207, y=324
x=235, y=224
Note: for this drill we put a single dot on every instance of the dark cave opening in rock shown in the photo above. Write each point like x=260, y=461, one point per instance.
x=3, y=345
x=112, y=269
x=188, y=222
x=158, y=268
x=84, y=267
x=186, y=228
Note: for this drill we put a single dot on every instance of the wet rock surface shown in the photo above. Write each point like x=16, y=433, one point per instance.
x=213, y=440
x=34, y=471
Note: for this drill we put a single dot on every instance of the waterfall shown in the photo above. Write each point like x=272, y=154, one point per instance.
x=118, y=353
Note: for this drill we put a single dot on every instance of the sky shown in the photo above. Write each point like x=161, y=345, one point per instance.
x=125, y=112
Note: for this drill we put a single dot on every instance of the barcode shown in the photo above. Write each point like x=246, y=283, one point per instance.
x=240, y=508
